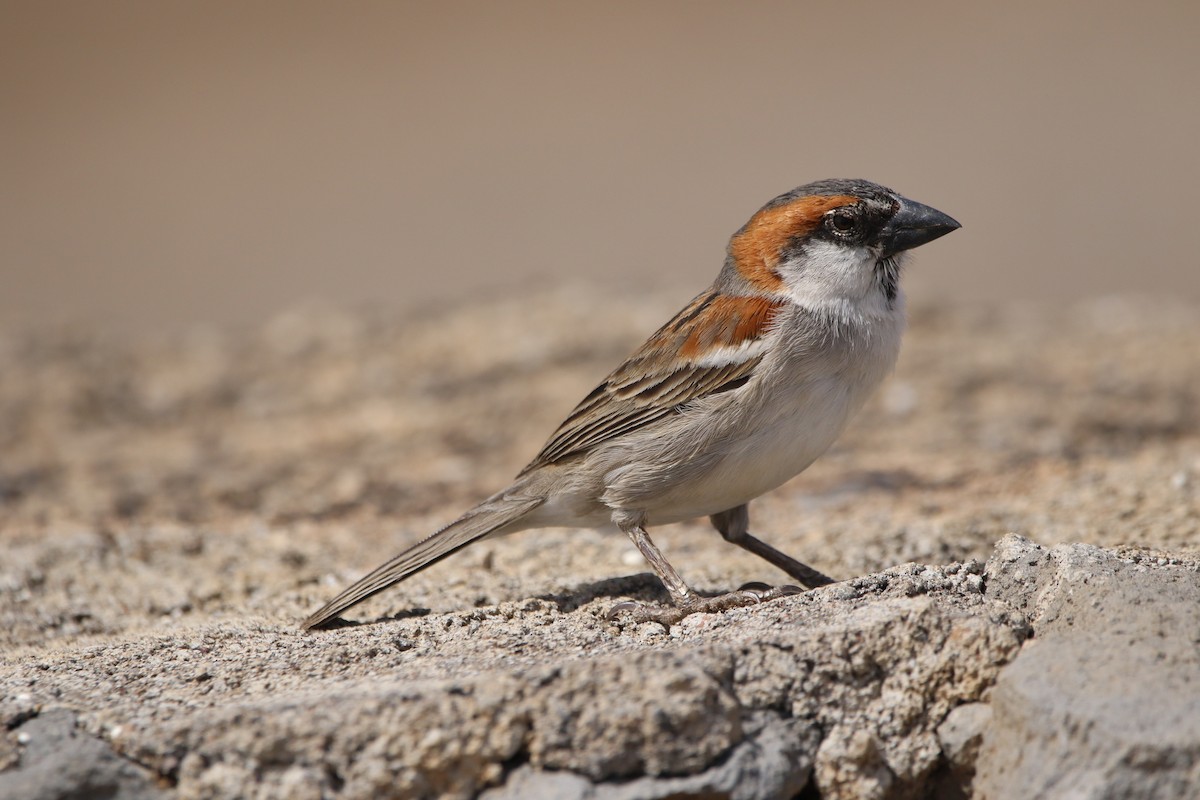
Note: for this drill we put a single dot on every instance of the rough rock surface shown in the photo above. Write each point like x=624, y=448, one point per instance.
x=58, y=760
x=1106, y=702
x=170, y=510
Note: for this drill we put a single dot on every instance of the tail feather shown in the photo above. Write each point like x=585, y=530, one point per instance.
x=477, y=523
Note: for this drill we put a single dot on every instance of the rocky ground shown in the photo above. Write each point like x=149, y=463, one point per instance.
x=170, y=509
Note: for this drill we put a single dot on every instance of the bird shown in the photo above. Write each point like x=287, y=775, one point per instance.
x=738, y=393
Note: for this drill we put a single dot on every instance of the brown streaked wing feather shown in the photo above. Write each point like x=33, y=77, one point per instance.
x=663, y=374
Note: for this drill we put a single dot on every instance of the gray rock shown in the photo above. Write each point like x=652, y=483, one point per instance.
x=886, y=668
x=845, y=689
x=1105, y=702
x=656, y=714
x=889, y=686
x=773, y=761
x=960, y=736
x=527, y=782
x=59, y=762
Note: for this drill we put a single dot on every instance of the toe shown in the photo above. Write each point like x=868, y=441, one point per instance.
x=620, y=609
x=630, y=612
x=757, y=588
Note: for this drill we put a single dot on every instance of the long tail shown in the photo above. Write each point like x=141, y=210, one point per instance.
x=489, y=516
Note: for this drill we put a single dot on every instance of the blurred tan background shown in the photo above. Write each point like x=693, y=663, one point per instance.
x=165, y=164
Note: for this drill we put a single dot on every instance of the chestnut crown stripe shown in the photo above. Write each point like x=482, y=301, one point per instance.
x=756, y=247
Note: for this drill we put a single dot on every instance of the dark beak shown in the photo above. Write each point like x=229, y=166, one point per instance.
x=913, y=225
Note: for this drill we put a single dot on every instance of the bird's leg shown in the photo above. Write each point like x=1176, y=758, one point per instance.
x=685, y=600
x=733, y=525
x=681, y=593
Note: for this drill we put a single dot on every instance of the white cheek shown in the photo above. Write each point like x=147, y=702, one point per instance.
x=834, y=276
x=827, y=271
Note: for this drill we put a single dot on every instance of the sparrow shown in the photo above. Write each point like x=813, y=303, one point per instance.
x=739, y=392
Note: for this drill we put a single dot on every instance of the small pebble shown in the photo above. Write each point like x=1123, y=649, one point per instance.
x=651, y=630
x=845, y=591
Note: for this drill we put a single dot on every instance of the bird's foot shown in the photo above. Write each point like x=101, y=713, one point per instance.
x=748, y=595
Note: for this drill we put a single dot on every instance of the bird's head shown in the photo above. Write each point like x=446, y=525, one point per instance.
x=833, y=244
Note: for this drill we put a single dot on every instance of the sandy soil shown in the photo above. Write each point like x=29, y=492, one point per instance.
x=225, y=483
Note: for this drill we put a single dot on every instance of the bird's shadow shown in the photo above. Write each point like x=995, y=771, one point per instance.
x=643, y=586
x=339, y=623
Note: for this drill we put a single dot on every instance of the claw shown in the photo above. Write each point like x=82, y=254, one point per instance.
x=763, y=592
x=627, y=607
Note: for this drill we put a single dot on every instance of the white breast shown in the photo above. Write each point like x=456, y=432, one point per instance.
x=787, y=417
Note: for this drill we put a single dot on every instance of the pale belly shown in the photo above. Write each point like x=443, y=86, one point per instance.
x=761, y=460
x=724, y=454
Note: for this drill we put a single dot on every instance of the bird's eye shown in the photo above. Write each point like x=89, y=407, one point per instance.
x=843, y=222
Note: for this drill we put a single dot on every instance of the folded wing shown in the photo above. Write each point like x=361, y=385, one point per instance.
x=713, y=345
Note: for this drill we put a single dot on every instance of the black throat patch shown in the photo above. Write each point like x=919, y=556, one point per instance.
x=887, y=275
